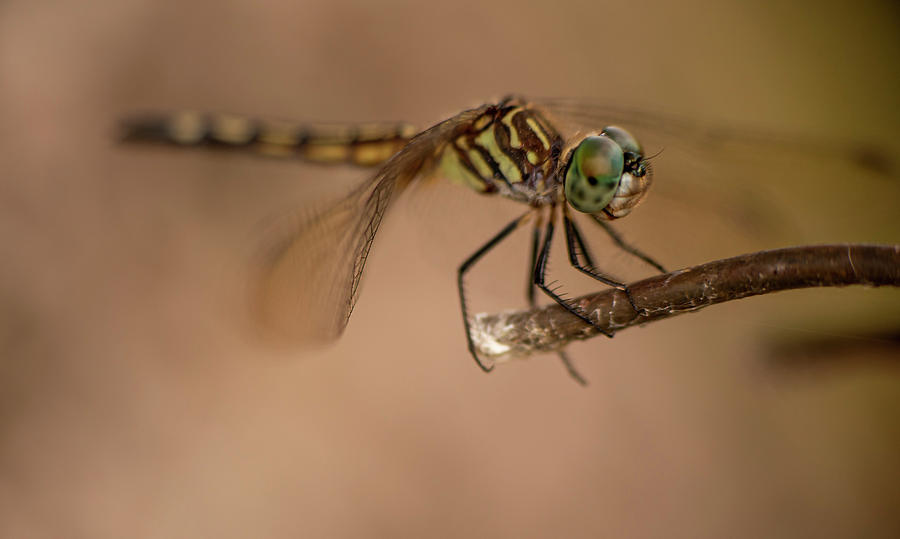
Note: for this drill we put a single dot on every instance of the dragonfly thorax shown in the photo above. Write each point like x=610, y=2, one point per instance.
x=509, y=150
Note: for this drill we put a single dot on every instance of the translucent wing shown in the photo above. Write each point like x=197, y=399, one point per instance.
x=670, y=128
x=769, y=183
x=308, y=275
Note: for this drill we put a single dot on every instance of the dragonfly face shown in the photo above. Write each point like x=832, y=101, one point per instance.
x=606, y=175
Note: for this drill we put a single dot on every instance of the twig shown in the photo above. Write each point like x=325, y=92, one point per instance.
x=520, y=333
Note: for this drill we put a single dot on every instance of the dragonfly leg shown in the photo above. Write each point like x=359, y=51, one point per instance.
x=466, y=266
x=582, y=247
x=535, y=244
x=573, y=236
x=540, y=272
x=617, y=239
x=570, y=368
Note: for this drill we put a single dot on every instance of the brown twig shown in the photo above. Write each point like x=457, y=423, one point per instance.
x=519, y=333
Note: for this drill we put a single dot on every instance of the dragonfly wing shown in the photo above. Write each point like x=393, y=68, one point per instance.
x=769, y=185
x=877, y=159
x=307, y=276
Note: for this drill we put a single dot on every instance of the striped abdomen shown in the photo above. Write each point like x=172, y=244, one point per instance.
x=362, y=145
x=510, y=149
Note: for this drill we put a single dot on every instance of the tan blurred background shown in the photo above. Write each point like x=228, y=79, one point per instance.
x=132, y=404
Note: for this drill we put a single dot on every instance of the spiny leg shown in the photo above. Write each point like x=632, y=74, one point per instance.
x=582, y=246
x=540, y=271
x=617, y=239
x=535, y=244
x=570, y=368
x=572, y=233
x=507, y=230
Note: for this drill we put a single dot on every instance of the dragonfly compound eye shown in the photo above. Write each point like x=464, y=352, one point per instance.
x=624, y=139
x=593, y=175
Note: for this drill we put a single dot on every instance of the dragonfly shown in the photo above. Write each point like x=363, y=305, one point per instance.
x=516, y=148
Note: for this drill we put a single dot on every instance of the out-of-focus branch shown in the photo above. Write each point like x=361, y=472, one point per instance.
x=519, y=333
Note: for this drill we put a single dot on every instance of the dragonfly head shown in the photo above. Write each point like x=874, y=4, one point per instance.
x=607, y=174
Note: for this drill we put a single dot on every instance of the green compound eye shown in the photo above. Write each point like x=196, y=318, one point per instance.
x=624, y=139
x=593, y=175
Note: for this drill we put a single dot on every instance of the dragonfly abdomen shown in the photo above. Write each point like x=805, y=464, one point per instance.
x=361, y=145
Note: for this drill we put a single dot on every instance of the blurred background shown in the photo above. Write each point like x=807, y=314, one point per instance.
x=134, y=403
